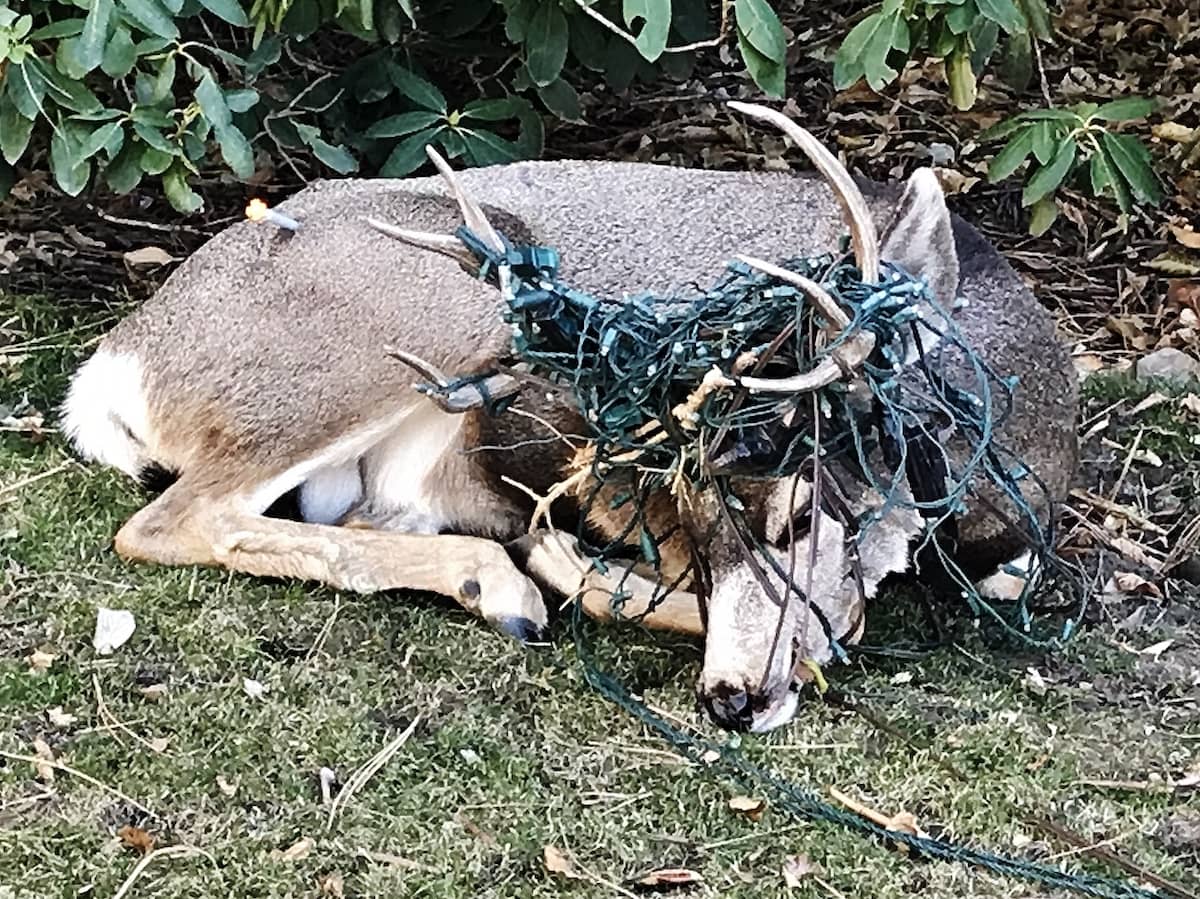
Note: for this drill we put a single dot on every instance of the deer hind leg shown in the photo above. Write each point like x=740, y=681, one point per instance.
x=185, y=526
x=552, y=559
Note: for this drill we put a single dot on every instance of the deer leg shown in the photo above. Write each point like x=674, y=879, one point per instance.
x=552, y=559
x=184, y=526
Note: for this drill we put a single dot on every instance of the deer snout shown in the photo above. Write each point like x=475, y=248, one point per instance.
x=728, y=706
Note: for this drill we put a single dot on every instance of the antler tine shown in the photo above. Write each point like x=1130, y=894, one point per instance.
x=858, y=216
x=445, y=244
x=828, y=305
x=843, y=360
x=471, y=212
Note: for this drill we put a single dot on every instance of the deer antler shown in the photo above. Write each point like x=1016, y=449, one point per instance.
x=447, y=244
x=865, y=239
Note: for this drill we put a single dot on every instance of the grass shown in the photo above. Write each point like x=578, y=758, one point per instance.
x=512, y=751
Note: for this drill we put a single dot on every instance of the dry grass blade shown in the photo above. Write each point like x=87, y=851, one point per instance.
x=116, y=724
x=74, y=772
x=150, y=857
x=359, y=778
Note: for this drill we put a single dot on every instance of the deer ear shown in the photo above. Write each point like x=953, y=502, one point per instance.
x=920, y=237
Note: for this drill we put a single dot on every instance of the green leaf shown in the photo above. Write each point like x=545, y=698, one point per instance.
x=588, y=42
x=14, y=132
x=409, y=155
x=337, y=158
x=417, y=89
x=1099, y=173
x=1037, y=17
x=961, y=78
x=849, y=64
x=1109, y=175
x=546, y=43
x=769, y=75
x=154, y=138
x=26, y=89
x=655, y=15
x=212, y=102
x=154, y=161
x=1047, y=178
x=1042, y=216
x=562, y=100
x=97, y=140
x=405, y=123
x=241, y=100
x=1045, y=141
x=492, y=110
x=1016, y=65
x=120, y=54
x=179, y=194
x=959, y=19
x=1132, y=160
x=61, y=28
x=531, y=135
x=151, y=18
x=1003, y=129
x=1125, y=110
x=72, y=95
x=229, y=10
x=235, y=150
x=1009, y=159
x=892, y=33
x=1050, y=115
x=89, y=51
x=70, y=172
x=485, y=148
x=759, y=26
x=1004, y=13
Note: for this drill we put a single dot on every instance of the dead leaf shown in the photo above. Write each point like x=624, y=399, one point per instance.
x=1128, y=582
x=1088, y=363
x=296, y=852
x=333, y=885
x=159, y=744
x=114, y=627
x=1035, y=682
x=39, y=660
x=1173, y=131
x=1156, y=649
x=1187, y=237
x=557, y=862
x=749, y=806
x=228, y=787
x=254, y=689
x=1154, y=399
x=795, y=869
x=59, y=718
x=1191, y=402
x=41, y=749
x=154, y=692
x=900, y=678
x=135, y=838
x=149, y=256
x=667, y=879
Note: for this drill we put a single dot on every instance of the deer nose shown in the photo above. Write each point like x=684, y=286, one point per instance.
x=729, y=707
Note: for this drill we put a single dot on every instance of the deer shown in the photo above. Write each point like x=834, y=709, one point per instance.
x=256, y=374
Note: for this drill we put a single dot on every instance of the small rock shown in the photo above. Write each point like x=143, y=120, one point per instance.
x=1168, y=363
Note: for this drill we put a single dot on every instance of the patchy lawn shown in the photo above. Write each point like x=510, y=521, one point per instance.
x=511, y=752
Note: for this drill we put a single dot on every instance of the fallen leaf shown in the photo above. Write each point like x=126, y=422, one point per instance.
x=1035, y=682
x=39, y=660
x=1128, y=582
x=795, y=869
x=667, y=878
x=1191, y=402
x=557, y=862
x=1173, y=131
x=228, y=787
x=333, y=885
x=749, y=806
x=45, y=771
x=1154, y=399
x=59, y=718
x=135, y=838
x=1156, y=649
x=1187, y=237
x=114, y=627
x=254, y=689
x=149, y=256
x=159, y=744
x=295, y=852
x=900, y=678
x=154, y=692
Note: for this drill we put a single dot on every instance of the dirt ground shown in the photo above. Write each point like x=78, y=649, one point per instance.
x=187, y=763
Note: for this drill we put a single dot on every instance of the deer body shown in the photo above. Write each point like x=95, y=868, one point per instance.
x=258, y=368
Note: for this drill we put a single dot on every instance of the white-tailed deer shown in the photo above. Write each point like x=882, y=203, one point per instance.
x=258, y=370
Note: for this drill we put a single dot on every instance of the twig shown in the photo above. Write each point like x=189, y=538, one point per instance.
x=58, y=469
x=1127, y=512
x=149, y=857
x=116, y=723
x=75, y=772
x=620, y=32
x=326, y=630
